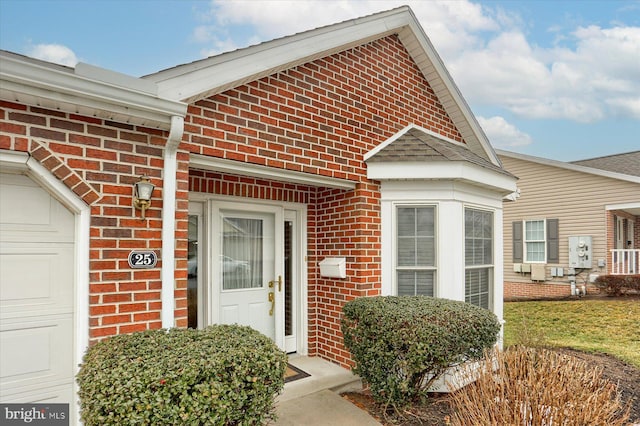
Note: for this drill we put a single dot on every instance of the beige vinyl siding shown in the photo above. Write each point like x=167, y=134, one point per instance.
x=577, y=199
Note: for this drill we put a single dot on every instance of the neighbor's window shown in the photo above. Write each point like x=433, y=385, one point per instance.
x=534, y=241
x=415, y=256
x=478, y=255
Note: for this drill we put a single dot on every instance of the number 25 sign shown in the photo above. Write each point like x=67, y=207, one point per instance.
x=143, y=259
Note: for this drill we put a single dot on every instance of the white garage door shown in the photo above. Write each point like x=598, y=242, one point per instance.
x=36, y=294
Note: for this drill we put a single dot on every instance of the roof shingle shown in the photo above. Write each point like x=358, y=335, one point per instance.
x=627, y=163
x=417, y=145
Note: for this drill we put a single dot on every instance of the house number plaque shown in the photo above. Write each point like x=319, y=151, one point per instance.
x=143, y=259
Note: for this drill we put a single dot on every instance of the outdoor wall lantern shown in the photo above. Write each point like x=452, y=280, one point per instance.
x=142, y=191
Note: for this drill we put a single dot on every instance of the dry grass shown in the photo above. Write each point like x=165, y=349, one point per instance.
x=538, y=387
x=608, y=326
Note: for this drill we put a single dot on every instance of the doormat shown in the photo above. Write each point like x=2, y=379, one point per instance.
x=294, y=373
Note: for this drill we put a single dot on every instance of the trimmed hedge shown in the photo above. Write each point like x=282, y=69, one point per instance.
x=617, y=285
x=221, y=375
x=402, y=344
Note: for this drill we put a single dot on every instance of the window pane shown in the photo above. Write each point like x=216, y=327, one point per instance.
x=416, y=236
x=425, y=248
x=534, y=230
x=477, y=287
x=478, y=242
x=242, y=254
x=406, y=252
x=415, y=283
x=424, y=222
x=406, y=222
x=192, y=273
x=535, y=252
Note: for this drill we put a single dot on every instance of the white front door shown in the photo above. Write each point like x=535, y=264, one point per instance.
x=247, y=267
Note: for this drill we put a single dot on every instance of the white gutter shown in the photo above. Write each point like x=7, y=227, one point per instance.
x=169, y=186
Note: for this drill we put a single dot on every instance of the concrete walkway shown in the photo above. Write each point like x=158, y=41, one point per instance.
x=316, y=400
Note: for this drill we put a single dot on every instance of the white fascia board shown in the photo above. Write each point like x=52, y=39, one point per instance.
x=569, y=166
x=76, y=93
x=623, y=206
x=442, y=170
x=202, y=162
x=452, y=90
x=188, y=82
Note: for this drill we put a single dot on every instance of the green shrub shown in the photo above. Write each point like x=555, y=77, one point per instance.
x=222, y=375
x=617, y=285
x=401, y=345
x=527, y=386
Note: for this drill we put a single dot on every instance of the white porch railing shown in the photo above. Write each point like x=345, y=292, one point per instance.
x=625, y=261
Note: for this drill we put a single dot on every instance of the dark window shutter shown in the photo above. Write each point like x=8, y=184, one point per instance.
x=517, y=242
x=553, y=241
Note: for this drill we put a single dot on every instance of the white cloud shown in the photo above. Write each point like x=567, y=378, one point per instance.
x=449, y=25
x=587, y=75
x=503, y=134
x=596, y=79
x=55, y=53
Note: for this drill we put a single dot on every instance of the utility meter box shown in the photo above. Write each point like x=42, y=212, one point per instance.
x=580, y=252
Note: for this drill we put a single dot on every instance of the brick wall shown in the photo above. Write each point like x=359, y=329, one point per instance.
x=518, y=290
x=514, y=291
x=321, y=118
x=100, y=160
x=318, y=118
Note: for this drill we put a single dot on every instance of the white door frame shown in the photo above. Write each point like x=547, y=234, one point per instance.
x=292, y=210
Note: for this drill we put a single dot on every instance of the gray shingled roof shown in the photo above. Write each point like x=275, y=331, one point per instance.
x=417, y=145
x=627, y=163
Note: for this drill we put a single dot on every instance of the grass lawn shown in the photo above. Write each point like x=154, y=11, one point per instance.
x=609, y=326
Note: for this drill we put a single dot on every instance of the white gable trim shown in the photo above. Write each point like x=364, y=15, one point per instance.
x=216, y=74
x=569, y=166
x=201, y=79
x=197, y=161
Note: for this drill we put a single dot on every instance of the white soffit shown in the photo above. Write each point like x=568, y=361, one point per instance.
x=87, y=90
x=202, y=162
x=632, y=208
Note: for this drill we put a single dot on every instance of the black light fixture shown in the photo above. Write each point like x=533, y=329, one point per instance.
x=142, y=191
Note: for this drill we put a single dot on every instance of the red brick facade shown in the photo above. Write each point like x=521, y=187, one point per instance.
x=319, y=118
x=99, y=161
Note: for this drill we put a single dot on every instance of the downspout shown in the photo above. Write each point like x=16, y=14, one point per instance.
x=169, y=186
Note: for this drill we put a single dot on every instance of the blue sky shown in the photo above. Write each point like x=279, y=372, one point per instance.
x=555, y=79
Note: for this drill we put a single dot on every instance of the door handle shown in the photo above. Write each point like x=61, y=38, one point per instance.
x=273, y=282
x=272, y=299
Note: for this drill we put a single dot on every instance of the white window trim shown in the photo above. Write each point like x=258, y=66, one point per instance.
x=524, y=240
x=394, y=247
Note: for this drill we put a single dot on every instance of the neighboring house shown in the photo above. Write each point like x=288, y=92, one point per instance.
x=582, y=215
x=290, y=177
